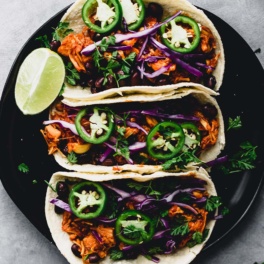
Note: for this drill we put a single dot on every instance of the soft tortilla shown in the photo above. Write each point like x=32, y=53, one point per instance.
x=62, y=241
x=74, y=18
x=207, y=155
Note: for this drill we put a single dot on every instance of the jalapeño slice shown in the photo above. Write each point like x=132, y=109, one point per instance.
x=181, y=34
x=133, y=13
x=192, y=136
x=102, y=16
x=165, y=140
x=134, y=227
x=101, y=125
x=87, y=200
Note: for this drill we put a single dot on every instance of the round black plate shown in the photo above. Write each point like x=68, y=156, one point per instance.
x=22, y=141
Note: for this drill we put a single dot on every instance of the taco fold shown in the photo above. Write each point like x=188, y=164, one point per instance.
x=162, y=217
x=172, y=132
x=173, y=42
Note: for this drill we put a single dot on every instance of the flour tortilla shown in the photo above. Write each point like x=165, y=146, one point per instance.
x=74, y=17
x=63, y=243
x=207, y=155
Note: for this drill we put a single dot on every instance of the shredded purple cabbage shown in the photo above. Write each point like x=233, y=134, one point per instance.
x=155, y=73
x=175, y=57
x=133, y=124
x=168, y=116
x=122, y=37
x=63, y=124
x=104, y=156
x=61, y=204
x=97, y=236
x=217, y=161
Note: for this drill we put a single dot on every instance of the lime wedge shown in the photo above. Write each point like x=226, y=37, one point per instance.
x=39, y=81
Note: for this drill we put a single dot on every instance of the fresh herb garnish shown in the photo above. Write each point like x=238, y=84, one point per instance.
x=234, y=123
x=198, y=238
x=72, y=75
x=34, y=181
x=155, y=250
x=112, y=208
x=44, y=42
x=23, y=168
x=52, y=188
x=72, y=158
x=116, y=67
x=180, y=230
x=122, y=144
x=212, y=203
x=136, y=233
x=61, y=31
x=116, y=254
x=242, y=160
x=225, y=211
x=141, y=186
x=181, y=160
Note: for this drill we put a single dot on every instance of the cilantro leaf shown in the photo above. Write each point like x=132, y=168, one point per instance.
x=116, y=254
x=135, y=185
x=181, y=160
x=23, y=168
x=44, y=41
x=135, y=233
x=52, y=188
x=212, y=203
x=198, y=238
x=139, y=186
x=61, y=30
x=155, y=250
x=112, y=64
x=180, y=230
x=235, y=123
x=225, y=211
x=72, y=158
x=244, y=159
x=72, y=75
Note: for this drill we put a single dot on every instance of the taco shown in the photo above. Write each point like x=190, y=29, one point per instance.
x=172, y=132
x=152, y=58
x=164, y=217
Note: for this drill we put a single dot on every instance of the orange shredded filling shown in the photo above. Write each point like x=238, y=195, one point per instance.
x=80, y=233
x=72, y=45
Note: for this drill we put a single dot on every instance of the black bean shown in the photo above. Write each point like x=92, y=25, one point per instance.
x=209, y=111
x=89, y=65
x=62, y=189
x=210, y=81
x=94, y=90
x=155, y=10
x=93, y=258
x=111, y=83
x=161, y=81
x=54, y=45
x=97, y=37
x=75, y=250
x=91, y=82
x=99, y=82
x=84, y=78
x=108, y=162
x=135, y=79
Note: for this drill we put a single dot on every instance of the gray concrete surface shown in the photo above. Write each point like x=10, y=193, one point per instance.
x=20, y=242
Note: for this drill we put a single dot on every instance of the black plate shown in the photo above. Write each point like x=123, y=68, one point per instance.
x=239, y=95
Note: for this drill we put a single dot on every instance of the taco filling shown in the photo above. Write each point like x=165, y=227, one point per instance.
x=128, y=43
x=126, y=219
x=153, y=133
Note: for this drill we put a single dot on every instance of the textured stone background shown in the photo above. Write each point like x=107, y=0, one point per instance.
x=20, y=242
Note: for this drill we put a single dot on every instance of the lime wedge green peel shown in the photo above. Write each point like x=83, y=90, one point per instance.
x=39, y=81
